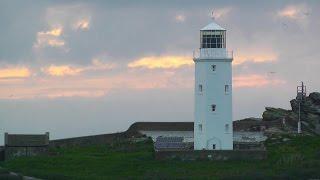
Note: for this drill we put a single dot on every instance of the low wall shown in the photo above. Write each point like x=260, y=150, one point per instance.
x=90, y=140
x=13, y=152
x=218, y=155
x=2, y=155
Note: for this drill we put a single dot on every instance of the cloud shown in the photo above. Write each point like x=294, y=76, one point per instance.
x=55, y=42
x=295, y=12
x=61, y=20
x=62, y=70
x=180, y=18
x=68, y=70
x=14, y=72
x=54, y=32
x=76, y=93
x=99, y=65
x=161, y=62
x=68, y=81
x=255, y=80
x=220, y=13
x=49, y=38
x=254, y=56
x=82, y=24
x=75, y=16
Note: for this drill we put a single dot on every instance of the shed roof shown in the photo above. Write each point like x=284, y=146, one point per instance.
x=161, y=126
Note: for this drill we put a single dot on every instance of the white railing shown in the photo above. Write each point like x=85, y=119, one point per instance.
x=212, y=53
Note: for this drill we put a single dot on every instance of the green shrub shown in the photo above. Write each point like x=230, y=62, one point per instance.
x=291, y=160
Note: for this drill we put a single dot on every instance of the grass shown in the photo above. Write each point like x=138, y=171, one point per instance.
x=298, y=158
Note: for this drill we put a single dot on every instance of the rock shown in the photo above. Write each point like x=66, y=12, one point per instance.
x=294, y=105
x=292, y=119
x=310, y=112
x=282, y=121
x=311, y=104
x=247, y=124
x=308, y=107
x=315, y=98
x=271, y=114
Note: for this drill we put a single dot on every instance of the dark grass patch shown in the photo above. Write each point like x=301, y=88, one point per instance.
x=124, y=159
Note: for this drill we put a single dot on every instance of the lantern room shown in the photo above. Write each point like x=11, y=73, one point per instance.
x=213, y=36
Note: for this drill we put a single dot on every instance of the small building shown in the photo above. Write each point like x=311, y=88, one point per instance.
x=168, y=134
x=245, y=140
x=17, y=145
x=172, y=144
x=164, y=129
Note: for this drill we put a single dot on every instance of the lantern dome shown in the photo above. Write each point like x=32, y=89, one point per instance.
x=213, y=26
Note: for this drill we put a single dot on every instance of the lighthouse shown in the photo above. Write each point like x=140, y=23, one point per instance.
x=213, y=91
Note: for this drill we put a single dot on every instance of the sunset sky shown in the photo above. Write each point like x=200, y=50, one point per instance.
x=88, y=67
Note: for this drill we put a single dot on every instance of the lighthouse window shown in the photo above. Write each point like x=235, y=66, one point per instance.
x=200, y=87
x=213, y=39
x=227, y=127
x=226, y=89
x=200, y=127
x=213, y=67
x=213, y=107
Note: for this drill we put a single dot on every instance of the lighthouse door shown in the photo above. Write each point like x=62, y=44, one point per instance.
x=214, y=144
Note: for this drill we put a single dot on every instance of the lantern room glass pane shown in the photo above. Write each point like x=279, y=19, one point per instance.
x=212, y=39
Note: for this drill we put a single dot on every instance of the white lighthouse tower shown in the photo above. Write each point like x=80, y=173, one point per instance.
x=213, y=91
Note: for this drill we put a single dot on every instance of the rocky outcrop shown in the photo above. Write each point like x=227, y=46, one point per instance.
x=278, y=120
x=255, y=124
x=271, y=114
x=247, y=124
x=315, y=98
x=310, y=104
x=310, y=114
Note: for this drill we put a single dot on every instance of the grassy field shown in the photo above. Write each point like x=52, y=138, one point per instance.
x=297, y=158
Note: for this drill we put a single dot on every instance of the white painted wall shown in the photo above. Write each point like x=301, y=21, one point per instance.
x=249, y=137
x=187, y=135
x=213, y=83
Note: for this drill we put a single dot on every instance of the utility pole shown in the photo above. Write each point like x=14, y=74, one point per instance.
x=301, y=94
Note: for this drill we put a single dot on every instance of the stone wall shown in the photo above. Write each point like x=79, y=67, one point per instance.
x=220, y=155
x=90, y=140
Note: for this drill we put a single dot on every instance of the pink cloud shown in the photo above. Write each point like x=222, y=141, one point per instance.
x=161, y=62
x=14, y=72
x=85, y=86
x=255, y=80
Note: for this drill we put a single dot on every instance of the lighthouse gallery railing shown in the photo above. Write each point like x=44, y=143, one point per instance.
x=212, y=53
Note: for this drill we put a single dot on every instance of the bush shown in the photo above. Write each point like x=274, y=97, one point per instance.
x=290, y=160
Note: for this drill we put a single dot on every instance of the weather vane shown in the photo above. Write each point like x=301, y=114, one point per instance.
x=212, y=15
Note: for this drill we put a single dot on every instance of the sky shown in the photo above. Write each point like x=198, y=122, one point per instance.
x=76, y=68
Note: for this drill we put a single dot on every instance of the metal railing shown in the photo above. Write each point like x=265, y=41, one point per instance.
x=212, y=53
